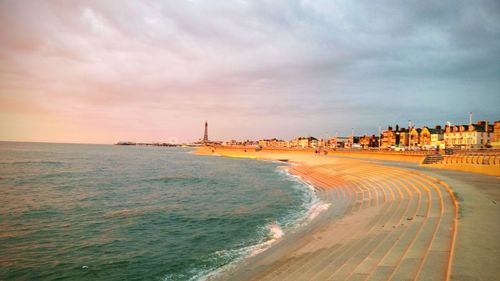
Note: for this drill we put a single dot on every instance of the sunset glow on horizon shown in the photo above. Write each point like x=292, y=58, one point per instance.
x=106, y=71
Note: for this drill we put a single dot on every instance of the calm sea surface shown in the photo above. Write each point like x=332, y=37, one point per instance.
x=103, y=212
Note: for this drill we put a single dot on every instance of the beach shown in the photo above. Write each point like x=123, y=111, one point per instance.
x=385, y=221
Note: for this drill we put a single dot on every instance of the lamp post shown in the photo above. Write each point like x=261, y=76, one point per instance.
x=379, y=137
x=449, y=140
x=409, y=133
x=352, y=138
x=469, y=133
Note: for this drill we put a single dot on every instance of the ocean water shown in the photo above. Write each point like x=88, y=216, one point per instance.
x=104, y=212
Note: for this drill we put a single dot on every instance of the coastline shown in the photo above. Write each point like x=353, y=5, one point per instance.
x=383, y=222
x=277, y=231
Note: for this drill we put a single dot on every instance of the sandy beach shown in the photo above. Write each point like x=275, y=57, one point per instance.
x=386, y=221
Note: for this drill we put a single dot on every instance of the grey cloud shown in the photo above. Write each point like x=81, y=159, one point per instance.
x=291, y=58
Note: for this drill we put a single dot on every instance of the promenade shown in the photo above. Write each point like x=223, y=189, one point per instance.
x=387, y=221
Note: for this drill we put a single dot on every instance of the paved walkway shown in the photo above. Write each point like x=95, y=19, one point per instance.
x=477, y=248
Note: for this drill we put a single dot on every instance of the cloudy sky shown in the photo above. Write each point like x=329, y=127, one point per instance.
x=102, y=71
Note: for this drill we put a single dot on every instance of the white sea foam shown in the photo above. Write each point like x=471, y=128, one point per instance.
x=276, y=231
x=313, y=205
x=317, y=209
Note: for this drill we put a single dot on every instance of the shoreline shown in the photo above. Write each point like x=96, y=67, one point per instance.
x=384, y=222
x=279, y=230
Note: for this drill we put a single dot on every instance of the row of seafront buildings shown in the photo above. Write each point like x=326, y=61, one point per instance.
x=470, y=136
x=479, y=135
x=299, y=142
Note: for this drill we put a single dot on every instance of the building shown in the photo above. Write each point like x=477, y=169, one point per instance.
x=495, y=142
x=322, y=143
x=368, y=141
x=240, y=143
x=437, y=137
x=453, y=135
x=312, y=142
x=205, y=136
x=205, y=140
x=364, y=141
x=340, y=142
x=231, y=143
x=425, y=138
x=402, y=137
x=388, y=138
x=477, y=135
x=414, y=137
x=353, y=142
x=304, y=142
x=264, y=143
x=332, y=142
x=273, y=143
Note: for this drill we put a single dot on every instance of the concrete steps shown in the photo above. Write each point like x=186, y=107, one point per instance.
x=409, y=235
x=337, y=260
x=321, y=257
x=432, y=159
x=368, y=246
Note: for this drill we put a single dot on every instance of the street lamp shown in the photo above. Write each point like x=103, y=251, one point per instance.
x=352, y=138
x=379, y=137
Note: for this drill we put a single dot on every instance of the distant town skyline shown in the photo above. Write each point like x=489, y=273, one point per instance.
x=106, y=71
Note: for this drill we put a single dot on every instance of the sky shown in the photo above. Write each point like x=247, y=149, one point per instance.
x=154, y=71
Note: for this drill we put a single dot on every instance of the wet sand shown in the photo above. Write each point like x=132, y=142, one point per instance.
x=384, y=223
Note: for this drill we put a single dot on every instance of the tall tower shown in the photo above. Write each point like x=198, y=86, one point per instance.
x=205, y=136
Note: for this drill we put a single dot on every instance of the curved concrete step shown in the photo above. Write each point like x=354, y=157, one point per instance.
x=409, y=234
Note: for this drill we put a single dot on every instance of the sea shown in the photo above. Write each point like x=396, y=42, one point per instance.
x=110, y=212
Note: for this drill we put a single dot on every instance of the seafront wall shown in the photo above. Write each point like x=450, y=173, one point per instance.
x=487, y=163
x=492, y=170
x=400, y=157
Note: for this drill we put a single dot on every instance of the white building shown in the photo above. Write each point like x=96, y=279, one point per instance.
x=469, y=136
